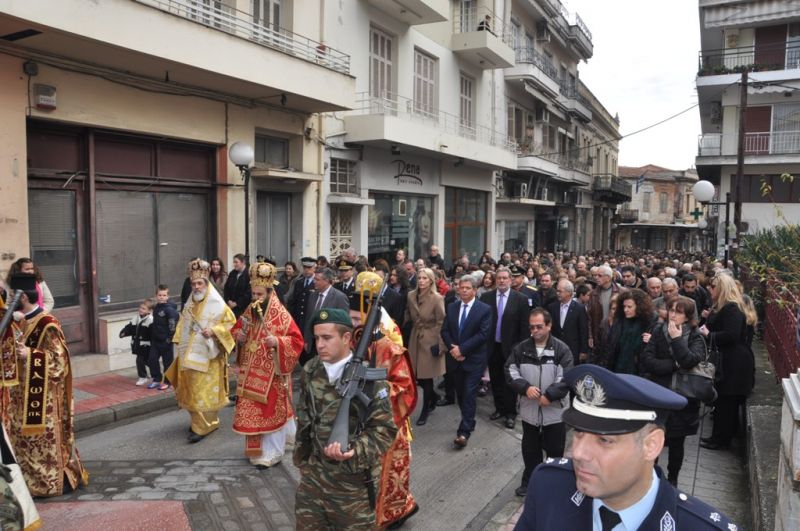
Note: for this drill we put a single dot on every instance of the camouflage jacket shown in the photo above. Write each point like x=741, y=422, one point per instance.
x=316, y=411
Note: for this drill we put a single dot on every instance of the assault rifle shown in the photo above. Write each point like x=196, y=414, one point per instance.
x=356, y=377
x=10, y=309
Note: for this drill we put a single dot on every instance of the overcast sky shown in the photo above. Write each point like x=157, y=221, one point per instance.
x=644, y=67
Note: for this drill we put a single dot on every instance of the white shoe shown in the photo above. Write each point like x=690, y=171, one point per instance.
x=142, y=381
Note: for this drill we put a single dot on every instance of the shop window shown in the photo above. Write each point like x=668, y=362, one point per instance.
x=272, y=151
x=400, y=222
x=343, y=177
x=516, y=236
x=465, y=223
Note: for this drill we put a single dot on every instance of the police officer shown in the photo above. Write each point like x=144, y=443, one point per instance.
x=526, y=290
x=338, y=485
x=611, y=482
x=301, y=287
x=346, y=282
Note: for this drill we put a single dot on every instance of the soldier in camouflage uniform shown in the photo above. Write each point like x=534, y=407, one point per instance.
x=338, y=488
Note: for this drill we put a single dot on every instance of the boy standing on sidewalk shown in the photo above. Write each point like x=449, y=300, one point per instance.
x=165, y=320
x=139, y=331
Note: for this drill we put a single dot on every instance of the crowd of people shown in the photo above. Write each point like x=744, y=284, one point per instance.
x=557, y=340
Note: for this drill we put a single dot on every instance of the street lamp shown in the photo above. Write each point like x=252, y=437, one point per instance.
x=703, y=191
x=702, y=224
x=241, y=154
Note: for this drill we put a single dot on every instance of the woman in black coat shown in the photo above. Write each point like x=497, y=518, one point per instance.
x=633, y=321
x=675, y=343
x=727, y=328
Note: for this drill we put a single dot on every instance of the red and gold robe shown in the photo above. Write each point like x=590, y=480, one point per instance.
x=39, y=416
x=264, y=402
x=394, y=498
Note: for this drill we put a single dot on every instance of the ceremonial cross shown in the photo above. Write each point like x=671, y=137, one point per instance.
x=696, y=213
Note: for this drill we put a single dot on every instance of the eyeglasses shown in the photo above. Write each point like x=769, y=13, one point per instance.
x=537, y=326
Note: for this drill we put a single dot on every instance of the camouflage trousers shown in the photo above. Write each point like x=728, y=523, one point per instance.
x=332, y=502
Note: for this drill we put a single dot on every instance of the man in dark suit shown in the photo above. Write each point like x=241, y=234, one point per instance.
x=347, y=282
x=237, y=288
x=301, y=287
x=509, y=326
x=323, y=296
x=570, y=321
x=466, y=333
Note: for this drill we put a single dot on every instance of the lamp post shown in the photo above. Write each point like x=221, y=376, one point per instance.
x=703, y=191
x=241, y=154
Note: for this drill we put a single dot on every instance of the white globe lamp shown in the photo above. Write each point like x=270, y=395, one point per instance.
x=703, y=191
x=241, y=154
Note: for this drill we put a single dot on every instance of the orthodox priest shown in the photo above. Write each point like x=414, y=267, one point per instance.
x=39, y=412
x=203, y=337
x=270, y=346
x=395, y=504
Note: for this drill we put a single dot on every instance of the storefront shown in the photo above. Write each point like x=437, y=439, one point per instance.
x=400, y=221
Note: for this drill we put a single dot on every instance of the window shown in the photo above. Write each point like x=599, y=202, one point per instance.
x=380, y=64
x=663, y=199
x=424, y=83
x=785, y=129
x=468, y=15
x=267, y=13
x=272, y=151
x=341, y=229
x=465, y=223
x=646, y=201
x=343, y=177
x=466, y=112
x=516, y=35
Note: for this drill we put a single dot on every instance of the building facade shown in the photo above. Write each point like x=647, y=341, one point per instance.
x=115, y=147
x=762, y=37
x=662, y=213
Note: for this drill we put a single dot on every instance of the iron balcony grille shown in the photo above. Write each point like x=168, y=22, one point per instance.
x=766, y=143
x=781, y=56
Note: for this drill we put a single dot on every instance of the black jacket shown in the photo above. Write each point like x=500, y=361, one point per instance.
x=728, y=331
x=514, y=327
x=165, y=320
x=661, y=358
x=614, y=335
x=237, y=289
x=139, y=332
x=575, y=332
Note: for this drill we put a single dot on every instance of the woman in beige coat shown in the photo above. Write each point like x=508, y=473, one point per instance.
x=424, y=316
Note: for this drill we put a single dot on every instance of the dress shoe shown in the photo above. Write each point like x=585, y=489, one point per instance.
x=482, y=390
x=423, y=417
x=444, y=401
x=460, y=442
x=510, y=423
x=397, y=524
x=195, y=438
x=496, y=415
x=714, y=445
x=432, y=403
x=521, y=491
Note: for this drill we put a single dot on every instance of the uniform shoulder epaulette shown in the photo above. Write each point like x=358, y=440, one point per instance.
x=558, y=463
x=532, y=288
x=706, y=516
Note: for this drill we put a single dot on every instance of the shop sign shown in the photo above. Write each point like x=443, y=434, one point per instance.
x=407, y=173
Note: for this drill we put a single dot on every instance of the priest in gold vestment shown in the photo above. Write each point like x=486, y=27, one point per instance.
x=203, y=337
x=270, y=347
x=38, y=409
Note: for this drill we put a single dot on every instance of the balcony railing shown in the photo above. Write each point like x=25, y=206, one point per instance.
x=531, y=56
x=571, y=92
x=781, y=56
x=627, y=215
x=467, y=20
x=612, y=183
x=407, y=108
x=574, y=163
x=767, y=143
x=582, y=26
x=528, y=148
x=217, y=15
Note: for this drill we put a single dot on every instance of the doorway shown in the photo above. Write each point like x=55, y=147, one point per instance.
x=273, y=226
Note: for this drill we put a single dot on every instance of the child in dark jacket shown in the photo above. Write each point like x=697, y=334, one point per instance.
x=138, y=329
x=165, y=320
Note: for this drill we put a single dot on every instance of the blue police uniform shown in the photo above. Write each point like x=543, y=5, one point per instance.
x=613, y=404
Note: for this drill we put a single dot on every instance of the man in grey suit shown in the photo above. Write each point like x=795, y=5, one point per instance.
x=323, y=296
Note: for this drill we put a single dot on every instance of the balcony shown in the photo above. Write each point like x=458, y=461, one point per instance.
x=537, y=158
x=414, y=12
x=517, y=191
x=201, y=44
x=395, y=120
x=611, y=189
x=534, y=67
x=760, y=58
x=766, y=147
x=480, y=38
x=628, y=215
x=580, y=36
x=574, y=102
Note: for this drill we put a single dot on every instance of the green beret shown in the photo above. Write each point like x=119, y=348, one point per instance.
x=332, y=315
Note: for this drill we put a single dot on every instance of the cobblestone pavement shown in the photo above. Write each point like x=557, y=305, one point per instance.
x=217, y=494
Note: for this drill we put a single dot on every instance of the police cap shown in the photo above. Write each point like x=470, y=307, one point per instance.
x=308, y=261
x=516, y=271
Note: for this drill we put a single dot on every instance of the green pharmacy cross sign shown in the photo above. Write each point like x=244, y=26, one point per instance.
x=696, y=213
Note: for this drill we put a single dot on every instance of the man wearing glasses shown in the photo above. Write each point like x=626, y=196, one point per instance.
x=535, y=370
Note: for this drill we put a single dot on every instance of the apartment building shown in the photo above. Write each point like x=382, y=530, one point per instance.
x=762, y=37
x=117, y=121
x=662, y=213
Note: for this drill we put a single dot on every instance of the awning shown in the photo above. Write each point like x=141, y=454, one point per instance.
x=749, y=13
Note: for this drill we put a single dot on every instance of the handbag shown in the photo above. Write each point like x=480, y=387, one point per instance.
x=435, y=351
x=696, y=383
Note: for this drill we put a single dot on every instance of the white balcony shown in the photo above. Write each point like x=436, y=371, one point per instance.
x=536, y=68
x=413, y=12
x=764, y=148
x=392, y=120
x=574, y=103
x=194, y=43
x=481, y=38
x=537, y=158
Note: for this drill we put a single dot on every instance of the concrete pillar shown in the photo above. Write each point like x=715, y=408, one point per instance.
x=787, y=512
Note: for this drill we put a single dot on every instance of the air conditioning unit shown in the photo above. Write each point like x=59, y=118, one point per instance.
x=542, y=32
x=542, y=115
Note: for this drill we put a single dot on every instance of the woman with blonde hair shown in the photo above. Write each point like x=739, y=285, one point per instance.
x=424, y=316
x=729, y=328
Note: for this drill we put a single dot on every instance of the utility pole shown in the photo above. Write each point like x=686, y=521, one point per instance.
x=737, y=207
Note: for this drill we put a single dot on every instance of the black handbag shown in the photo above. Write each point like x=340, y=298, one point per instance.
x=696, y=383
x=435, y=351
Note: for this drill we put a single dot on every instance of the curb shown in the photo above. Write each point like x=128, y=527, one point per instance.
x=763, y=447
